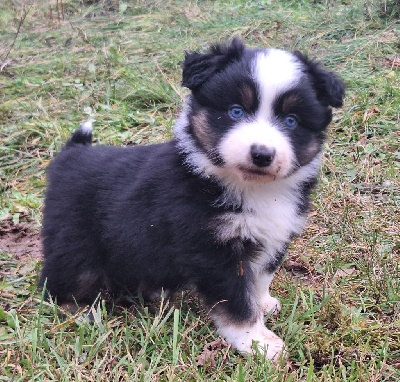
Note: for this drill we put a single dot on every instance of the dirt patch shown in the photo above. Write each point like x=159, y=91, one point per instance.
x=21, y=239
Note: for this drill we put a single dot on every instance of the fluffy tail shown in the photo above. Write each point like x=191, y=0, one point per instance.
x=82, y=136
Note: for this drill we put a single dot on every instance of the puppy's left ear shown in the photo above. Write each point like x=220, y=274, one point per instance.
x=198, y=68
x=329, y=87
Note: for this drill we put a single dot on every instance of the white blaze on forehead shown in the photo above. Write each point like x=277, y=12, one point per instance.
x=275, y=71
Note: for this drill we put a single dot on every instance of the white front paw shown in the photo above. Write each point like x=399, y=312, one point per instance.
x=270, y=305
x=243, y=337
x=270, y=345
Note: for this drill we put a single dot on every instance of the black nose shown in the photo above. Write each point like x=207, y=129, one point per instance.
x=262, y=156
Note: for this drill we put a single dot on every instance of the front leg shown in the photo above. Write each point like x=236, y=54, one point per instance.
x=236, y=311
x=268, y=303
x=242, y=335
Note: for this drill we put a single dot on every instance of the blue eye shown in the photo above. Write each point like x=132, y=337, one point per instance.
x=236, y=112
x=290, y=121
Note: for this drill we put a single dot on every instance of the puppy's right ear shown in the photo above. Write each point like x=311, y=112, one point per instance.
x=198, y=68
x=329, y=87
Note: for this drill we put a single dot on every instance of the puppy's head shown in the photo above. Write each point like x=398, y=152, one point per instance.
x=255, y=115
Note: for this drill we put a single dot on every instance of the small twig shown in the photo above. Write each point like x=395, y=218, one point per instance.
x=51, y=14
x=15, y=370
x=169, y=81
x=4, y=64
x=21, y=21
x=59, y=11
x=62, y=10
x=80, y=32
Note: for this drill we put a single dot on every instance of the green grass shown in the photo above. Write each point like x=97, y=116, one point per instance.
x=119, y=63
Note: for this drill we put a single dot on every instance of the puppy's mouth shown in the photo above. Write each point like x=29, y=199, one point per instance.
x=256, y=174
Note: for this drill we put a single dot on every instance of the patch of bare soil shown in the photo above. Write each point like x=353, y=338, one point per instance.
x=21, y=240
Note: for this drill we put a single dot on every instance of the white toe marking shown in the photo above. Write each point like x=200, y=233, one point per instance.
x=270, y=304
x=242, y=338
x=267, y=303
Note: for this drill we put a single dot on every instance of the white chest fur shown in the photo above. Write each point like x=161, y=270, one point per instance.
x=270, y=214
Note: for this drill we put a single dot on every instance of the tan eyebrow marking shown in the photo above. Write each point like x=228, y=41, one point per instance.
x=289, y=102
x=247, y=95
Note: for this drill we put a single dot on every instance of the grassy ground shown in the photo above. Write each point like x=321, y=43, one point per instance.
x=119, y=62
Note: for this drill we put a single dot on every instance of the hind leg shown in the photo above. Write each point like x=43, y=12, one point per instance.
x=72, y=271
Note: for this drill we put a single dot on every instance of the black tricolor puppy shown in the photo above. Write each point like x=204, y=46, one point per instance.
x=214, y=208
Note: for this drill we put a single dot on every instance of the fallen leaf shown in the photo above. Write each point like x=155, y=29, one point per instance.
x=393, y=61
x=295, y=267
x=370, y=112
x=345, y=272
x=210, y=351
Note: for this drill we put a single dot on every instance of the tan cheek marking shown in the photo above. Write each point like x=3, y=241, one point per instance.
x=203, y=131
x=312, y=149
